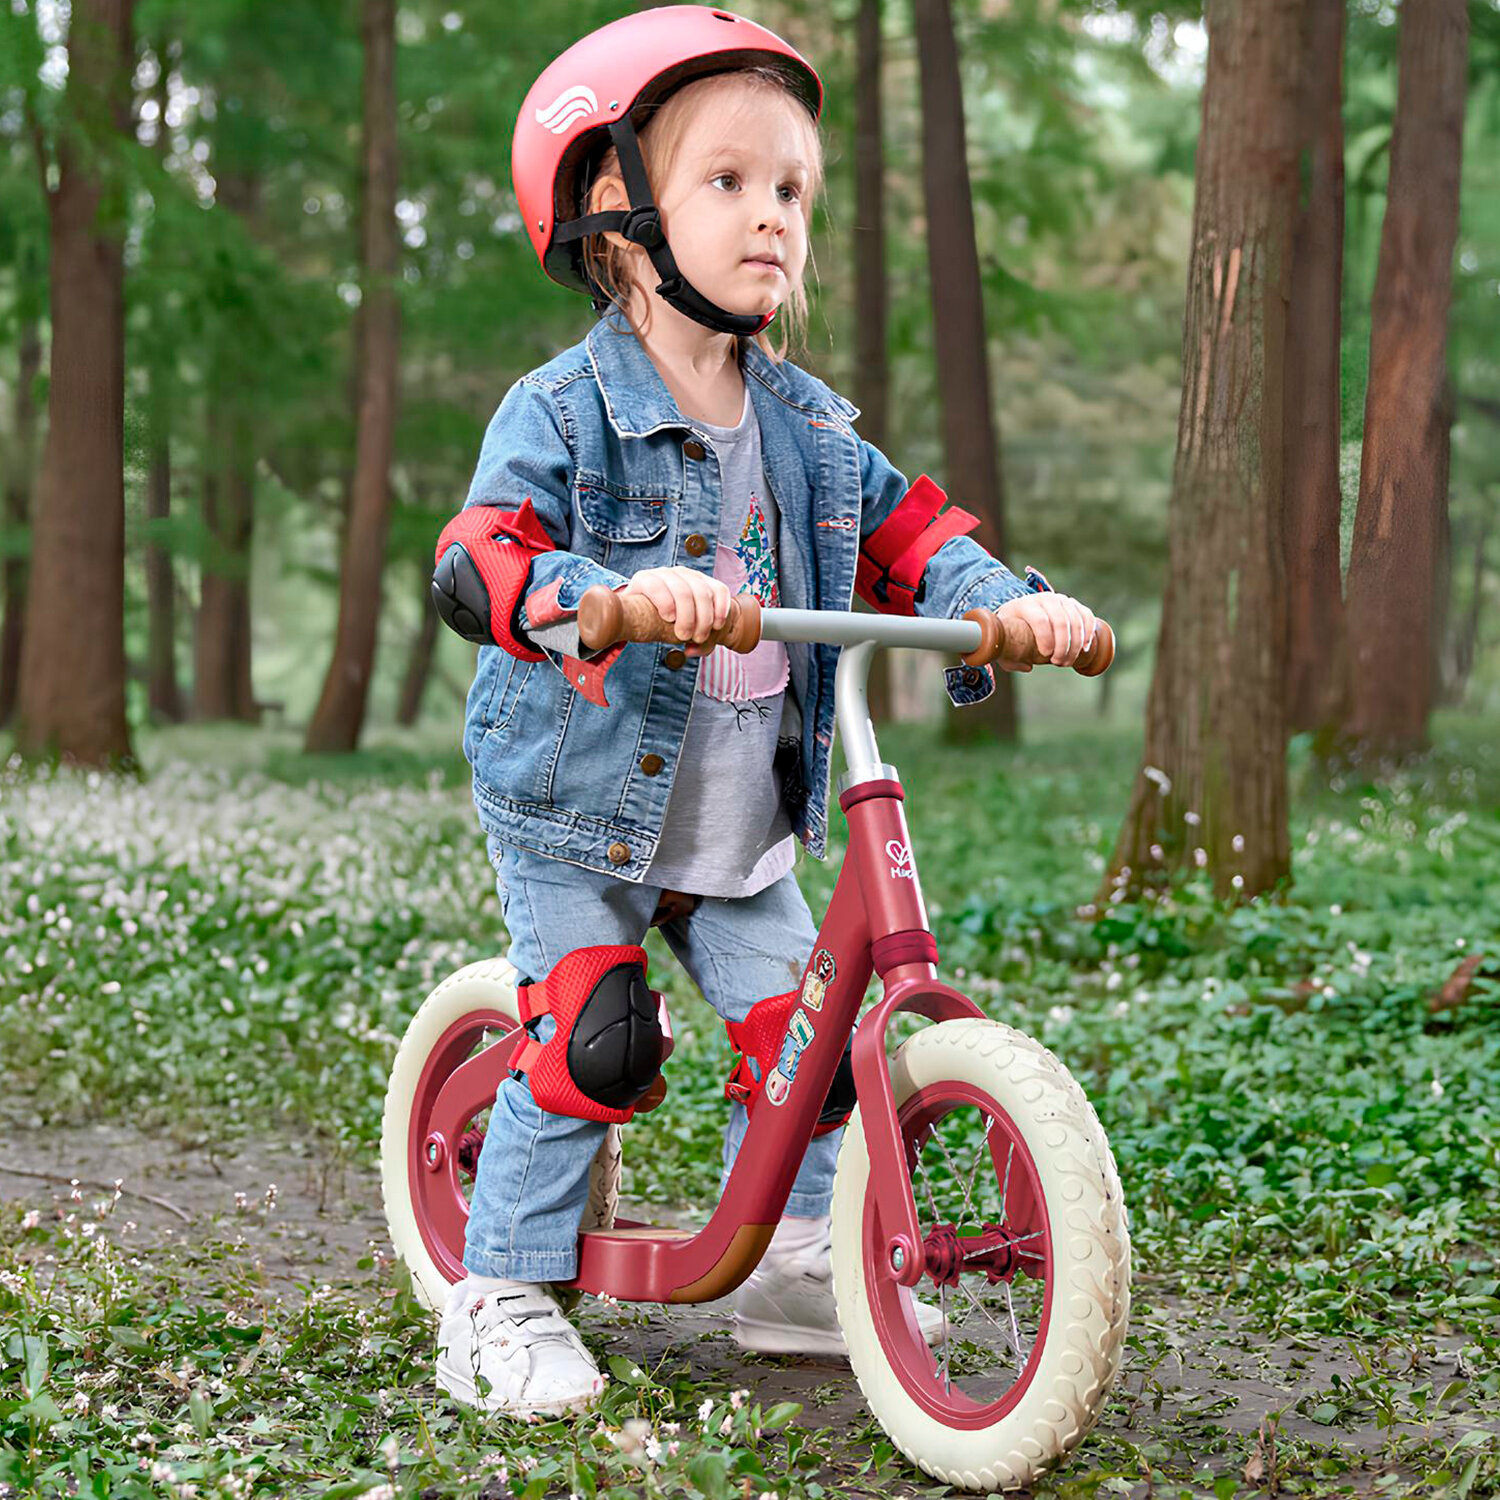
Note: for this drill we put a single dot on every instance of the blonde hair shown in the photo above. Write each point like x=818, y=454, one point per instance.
x=661, y=137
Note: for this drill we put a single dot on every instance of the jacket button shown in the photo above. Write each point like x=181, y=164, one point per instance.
x=674, y=659
x=696, y=545
x=694, y=449
x=619, y=854
x=651, y=764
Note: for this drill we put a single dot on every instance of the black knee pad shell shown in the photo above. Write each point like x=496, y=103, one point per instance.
x=612, y=1036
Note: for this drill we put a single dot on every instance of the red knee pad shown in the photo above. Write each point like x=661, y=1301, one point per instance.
x=774, y=1036
x=603, y=1061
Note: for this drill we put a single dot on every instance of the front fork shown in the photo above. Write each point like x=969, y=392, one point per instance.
x=907, y=987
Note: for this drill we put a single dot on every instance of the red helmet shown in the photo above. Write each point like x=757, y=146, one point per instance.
x=584, y=102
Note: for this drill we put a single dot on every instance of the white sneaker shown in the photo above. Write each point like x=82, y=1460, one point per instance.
x=785, y=1305
x=514, y=1334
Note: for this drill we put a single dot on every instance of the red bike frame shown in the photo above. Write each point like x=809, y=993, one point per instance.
x=875, y=923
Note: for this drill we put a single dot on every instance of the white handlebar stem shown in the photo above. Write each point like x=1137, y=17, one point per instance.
x=861, y=635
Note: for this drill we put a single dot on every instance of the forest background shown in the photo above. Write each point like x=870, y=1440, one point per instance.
x=209, y=388
x=238, y=183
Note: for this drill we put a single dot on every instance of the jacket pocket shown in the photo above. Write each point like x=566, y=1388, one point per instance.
x=510, y=677
x=614, y=512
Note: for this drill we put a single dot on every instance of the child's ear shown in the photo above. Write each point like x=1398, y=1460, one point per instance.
x=608, y=195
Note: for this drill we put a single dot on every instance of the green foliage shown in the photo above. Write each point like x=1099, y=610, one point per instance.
x=236, y=943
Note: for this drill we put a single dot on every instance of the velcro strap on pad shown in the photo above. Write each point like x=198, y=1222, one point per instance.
x=759, y=1037
x=894, y=556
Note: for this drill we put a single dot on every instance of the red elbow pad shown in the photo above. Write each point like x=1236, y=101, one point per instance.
x=483, y=560
x=894, y=556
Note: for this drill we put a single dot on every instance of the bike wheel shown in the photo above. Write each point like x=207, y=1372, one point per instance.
x=1028, y=1256
x=455, y=1054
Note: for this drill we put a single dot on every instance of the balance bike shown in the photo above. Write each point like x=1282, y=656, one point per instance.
x=973, y=1169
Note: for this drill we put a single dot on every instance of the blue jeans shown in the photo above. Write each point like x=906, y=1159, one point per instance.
x=532, y=1183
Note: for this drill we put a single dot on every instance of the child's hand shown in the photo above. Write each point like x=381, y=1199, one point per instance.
x=694, y=604
x=1064, y=628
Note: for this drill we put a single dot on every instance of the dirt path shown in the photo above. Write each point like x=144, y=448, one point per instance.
x=1192, y=1370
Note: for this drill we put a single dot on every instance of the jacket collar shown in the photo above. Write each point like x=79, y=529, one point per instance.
x=638, y=402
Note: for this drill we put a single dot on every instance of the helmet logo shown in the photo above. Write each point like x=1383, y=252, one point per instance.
x=570, y=105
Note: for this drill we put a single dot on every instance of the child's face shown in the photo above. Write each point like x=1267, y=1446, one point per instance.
x=734, y=192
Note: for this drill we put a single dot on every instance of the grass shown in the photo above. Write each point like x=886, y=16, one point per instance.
x=1309, y=1150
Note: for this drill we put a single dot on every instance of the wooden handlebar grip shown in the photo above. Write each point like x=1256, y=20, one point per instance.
x=1012, y=639
x=605, y=617
x=1098, y=657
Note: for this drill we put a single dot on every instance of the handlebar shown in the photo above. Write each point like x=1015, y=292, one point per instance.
x=982, y=636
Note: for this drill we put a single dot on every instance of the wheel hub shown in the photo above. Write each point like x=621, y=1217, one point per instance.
x=948, y=1254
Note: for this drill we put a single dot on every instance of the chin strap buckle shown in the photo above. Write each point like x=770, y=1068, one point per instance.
x=642, y=226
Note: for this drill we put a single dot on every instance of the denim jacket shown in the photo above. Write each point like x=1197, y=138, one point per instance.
x=622, y=481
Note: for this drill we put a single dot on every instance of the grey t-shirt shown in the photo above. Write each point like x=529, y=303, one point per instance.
x=726, y=831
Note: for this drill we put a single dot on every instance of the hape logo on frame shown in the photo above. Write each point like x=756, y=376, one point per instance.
x=900, y=857
x=570, y=105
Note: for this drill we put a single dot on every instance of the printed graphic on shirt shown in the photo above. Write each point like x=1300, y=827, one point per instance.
x=759, y=559
x=752, y=711
x=749, y=567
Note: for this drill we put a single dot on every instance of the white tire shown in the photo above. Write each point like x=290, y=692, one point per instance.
x=483, y=989
x=1077, y=1350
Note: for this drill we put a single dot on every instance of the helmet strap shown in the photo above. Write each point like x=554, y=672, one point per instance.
x=641, y=225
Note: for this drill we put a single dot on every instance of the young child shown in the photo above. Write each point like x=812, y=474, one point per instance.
x=677, y=455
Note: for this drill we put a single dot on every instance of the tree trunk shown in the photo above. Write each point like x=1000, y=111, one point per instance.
x=20, y=481
x=872, y=370
x=1316, y=643
x=162, y=695
x=970, y=440
x=71, y=698
x=419, y=661
x=1212, y=790
x=1459, y=654
x=339, y=717
x=221, y=637
x=1401, y=522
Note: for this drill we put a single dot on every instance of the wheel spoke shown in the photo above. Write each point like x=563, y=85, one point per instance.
x=927, y=1186
x=947, y=1343
x=994, y=1322
x=957, y=1175
x=1010, y=1307
x=980, y=1153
